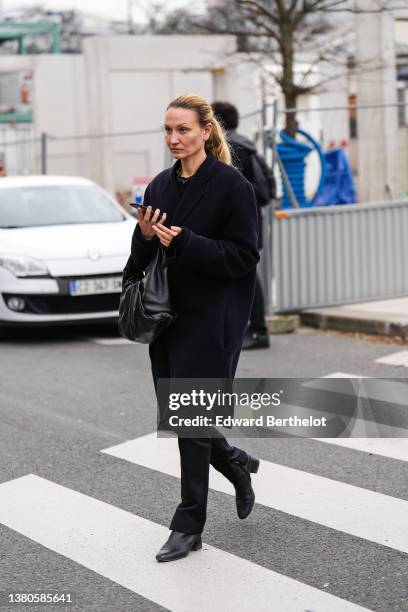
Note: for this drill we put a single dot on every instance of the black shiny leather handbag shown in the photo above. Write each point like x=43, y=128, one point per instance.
x=145, y=308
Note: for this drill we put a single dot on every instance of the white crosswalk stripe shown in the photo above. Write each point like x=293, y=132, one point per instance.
x=344, y=507
x=377, y=389
x=342, y=375
x=393, y=447
x=121, y=546
x=399, y=358
x=111, y=341
x=356, y=428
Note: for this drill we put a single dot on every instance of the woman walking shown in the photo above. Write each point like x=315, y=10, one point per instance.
x=203, y=211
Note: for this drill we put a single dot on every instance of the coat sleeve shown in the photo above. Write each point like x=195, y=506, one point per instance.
x=143, y=250
x=236, y=253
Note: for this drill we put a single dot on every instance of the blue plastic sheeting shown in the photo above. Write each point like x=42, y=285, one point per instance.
x=293, y=159
x=339, y=184
x=293, y=155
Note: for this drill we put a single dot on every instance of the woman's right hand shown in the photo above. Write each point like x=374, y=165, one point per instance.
x=146, y=221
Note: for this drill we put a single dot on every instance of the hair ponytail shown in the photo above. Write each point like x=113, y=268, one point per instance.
x=217, y=142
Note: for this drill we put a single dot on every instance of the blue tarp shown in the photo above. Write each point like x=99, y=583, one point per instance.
x=339, y=183
x=293, y=155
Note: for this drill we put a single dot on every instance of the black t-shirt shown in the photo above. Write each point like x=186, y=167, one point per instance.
x=182, y=186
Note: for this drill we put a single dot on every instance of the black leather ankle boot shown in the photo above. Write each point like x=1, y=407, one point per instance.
x=179, y=545
x=244, y=493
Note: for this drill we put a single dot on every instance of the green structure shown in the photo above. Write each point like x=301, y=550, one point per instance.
x=14, y=30
x=18, y=31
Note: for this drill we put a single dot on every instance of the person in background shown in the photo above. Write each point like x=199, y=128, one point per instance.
x=2, y=167
x=253, y=166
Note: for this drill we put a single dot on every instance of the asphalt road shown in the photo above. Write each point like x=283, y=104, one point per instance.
x=65, y=397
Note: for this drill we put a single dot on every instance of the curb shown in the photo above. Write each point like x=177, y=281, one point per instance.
x=371, y=326
x=282, y=324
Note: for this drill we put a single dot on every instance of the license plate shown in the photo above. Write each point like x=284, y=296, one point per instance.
x=92, y=286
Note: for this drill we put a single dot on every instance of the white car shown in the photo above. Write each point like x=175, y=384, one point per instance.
x=64, y=242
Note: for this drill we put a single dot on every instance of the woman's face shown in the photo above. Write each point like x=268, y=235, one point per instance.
x=184, y=135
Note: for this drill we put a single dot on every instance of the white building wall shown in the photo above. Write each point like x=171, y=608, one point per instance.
x=131, y=80
x=138, y=103
x=60, y=109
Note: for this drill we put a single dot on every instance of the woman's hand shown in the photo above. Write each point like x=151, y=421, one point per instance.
x=147, y=221
x=166, y=235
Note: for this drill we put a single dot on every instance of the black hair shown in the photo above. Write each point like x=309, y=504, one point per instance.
x=227, y=114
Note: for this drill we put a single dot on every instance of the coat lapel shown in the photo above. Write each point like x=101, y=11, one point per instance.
x=195, y=191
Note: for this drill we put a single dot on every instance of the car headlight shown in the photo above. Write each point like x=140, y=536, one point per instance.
x=22, y=266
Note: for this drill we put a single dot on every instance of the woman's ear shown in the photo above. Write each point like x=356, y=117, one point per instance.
x=207, y=132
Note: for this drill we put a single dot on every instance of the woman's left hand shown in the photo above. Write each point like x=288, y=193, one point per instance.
x=165, y=234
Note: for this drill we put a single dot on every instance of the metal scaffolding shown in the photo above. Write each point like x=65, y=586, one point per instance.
x=14, y=30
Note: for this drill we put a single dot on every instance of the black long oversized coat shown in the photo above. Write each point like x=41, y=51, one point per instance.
x=211, y=269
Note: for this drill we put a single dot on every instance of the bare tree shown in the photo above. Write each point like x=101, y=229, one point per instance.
x=284, y=31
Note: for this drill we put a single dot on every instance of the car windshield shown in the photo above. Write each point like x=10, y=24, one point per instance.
x=56, y=205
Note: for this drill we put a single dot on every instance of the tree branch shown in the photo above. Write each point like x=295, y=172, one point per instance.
x=281, y=8
x=292, y=6
x=260, y=8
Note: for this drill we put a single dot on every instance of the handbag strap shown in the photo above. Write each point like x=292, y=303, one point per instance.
x=131, y=271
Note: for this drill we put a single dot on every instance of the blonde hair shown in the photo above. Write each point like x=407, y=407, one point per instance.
x=217, y=142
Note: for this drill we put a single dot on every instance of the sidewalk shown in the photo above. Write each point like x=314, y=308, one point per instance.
x=385, y=317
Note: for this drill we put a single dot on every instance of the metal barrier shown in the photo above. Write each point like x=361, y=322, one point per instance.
x=334, y=255
x=18, y=148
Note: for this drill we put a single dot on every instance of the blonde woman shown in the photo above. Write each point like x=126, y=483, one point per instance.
x=203, y=211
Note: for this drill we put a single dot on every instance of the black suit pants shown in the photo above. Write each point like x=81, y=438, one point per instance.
x=196, y=455
x=257, y=317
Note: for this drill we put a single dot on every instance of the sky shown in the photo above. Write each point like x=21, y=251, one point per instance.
x=114, y=9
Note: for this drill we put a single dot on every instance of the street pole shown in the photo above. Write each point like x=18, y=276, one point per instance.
x=266, y=264
x=263, y=115
x=273, y=135
x=44, y=152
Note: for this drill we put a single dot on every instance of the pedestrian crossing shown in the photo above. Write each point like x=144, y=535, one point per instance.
x=337, y=505
x=121, y=546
